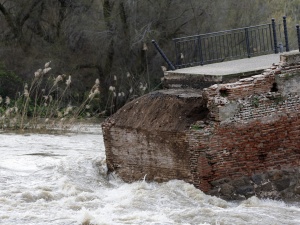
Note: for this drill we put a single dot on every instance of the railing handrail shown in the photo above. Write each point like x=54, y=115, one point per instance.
x=223, y=31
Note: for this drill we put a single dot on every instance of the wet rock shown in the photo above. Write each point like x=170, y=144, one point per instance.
x=214, y=192
x=226, y=189
x=288, y=171
x=246, y=190
x=239, y=197
x=297, y=189
x=257, y=179
x=238, y=182
x=275, y=184
x=288, y=193
x=248, y=181
x=220, y=182
x=266, y=187
x=282, y=184
x=275, y=175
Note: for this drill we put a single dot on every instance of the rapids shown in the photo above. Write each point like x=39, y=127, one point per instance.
x=62, y=179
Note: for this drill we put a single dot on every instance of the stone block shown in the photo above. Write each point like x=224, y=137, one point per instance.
x=245, y=190
x=282, y=184
x=290, y=58
x=226, y=189
x=297, y=189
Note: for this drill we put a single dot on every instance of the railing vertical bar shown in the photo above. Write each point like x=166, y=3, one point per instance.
x=267, y=40
x=189, y=53
x=238, y=45
x=263, y=37
x=200, y=50
x=252, y=39
x=213, y=48
x=194, y=55
x=247, y=41
x=182, y=52
x=298, y=36
x=286, y=38
x=238, y=49
x=220, y=47
x=205, y=49
x=228, y=45
x=216, y=47
x=192, y=51
x=241, y=46
x=176, y=63
x=256, y=42
x=258, y=48
x=274, y=36
x=184, y=55
x=197, y=50
x=234, y=44
x=271, y=38
x=231, y=46
x=223, y=47
x=270, y=42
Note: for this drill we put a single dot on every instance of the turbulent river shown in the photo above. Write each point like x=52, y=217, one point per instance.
x=61, y=179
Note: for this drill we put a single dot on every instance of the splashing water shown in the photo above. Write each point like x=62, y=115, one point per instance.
x=61, y=179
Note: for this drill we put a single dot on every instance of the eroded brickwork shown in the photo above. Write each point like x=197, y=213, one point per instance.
x=228, y=141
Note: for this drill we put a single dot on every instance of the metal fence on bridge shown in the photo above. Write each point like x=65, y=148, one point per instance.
x=231, y=44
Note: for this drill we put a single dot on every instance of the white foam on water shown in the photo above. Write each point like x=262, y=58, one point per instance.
x=61, y=179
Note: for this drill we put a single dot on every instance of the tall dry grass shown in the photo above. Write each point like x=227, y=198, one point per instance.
x=45, y=104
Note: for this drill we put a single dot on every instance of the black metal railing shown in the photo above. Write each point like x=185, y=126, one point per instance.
x=231, y=44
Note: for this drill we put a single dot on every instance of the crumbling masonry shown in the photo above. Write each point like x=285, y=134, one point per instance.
x=232, y=140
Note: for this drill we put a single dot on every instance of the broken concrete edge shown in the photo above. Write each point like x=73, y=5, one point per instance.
x=200, y=81
x=212, y=77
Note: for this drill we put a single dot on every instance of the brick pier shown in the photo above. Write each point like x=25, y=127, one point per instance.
x=231, y=139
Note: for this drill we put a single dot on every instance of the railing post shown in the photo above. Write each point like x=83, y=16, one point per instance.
x=176, y=53
x=163, y=55
x=247, y=41
x=287, y=47
x=298, y=36
x=274, y=36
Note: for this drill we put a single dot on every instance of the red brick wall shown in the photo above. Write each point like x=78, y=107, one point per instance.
x=262, y=132
x=237, y=150
x=138, y=154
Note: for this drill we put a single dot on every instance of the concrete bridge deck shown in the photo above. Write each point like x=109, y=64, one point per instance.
x=229, y=71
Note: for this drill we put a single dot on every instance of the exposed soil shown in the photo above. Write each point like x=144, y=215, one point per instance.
x=162, y=110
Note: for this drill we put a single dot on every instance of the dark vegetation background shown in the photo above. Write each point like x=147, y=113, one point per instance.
x=111, y=39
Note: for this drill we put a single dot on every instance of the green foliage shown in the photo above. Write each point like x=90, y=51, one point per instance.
x=196, y=127
x=255, y=101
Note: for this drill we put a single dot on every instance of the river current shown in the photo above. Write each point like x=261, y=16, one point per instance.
x=61, y=179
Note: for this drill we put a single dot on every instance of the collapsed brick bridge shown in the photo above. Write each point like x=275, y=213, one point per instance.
x=232, y=138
